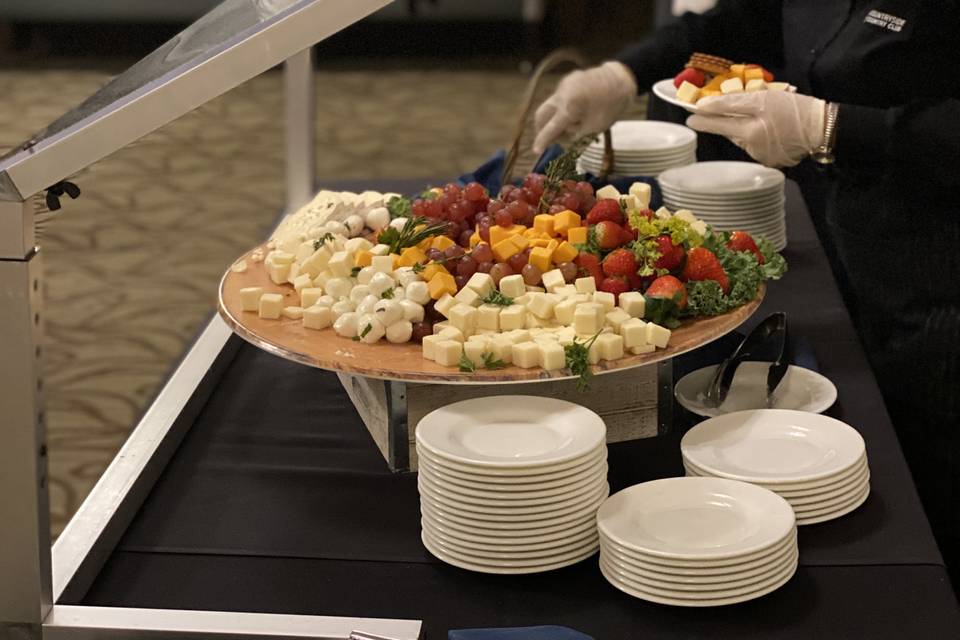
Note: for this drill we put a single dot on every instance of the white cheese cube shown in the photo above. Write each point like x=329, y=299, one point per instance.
x=488, y=317
x=417, y=291
x=523, y=300
x=686, y=215
x=468, y=296
x=400, y=332
x=317, y=317
x=634, y=332
x=593, y=354
x=280, y=257
x=341, y=264
x=279, y=273
x=513, y=286
x=486, y=332
x=566, y=336
x=380, y=249
x=309, y=296
x=365, y=275
x=553, y=280
x=564, y=311
x=358, y=293
x=380, y=282
x=541, y=306
x=356, y=245
x=586, y=285
x=688, y=92
x=479, y=337
x=474, y=349
x=293, y=313
x=633, y=303
x=463, y=317
x=388, y=312
x=733, y=85
x=616, y=318
x=531, y=321
x=610, y=345
x=501, y=347
x=294, y=272
x=429, y=344
x=451, y=333
x=641, y=191
x=482, y=283
x=756, y=84
x=444, y=304
x=588, y=318
x=250, y=298
x=369, y=328
x=552, y=356
x=526, y=355
x=608, y=191
x=519, y=335
x=663, y=213
x=778, y=86
x=304, y=251
x=646, y=348
x=322, y=278
x=447, y=353
x=324, y=301
x=378, y=218
x=317, y=262
x=533, y=289
x=440, y=326
x=271, y=306
x=412, y=312
x=339, y=287
x=383, y=264
x=608, y=300
x=566, y=291
x=657, y=335
x=512, y=317
x=700, y=227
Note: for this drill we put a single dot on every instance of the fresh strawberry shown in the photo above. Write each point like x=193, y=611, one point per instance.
x=609, y=234
x=693, y=76
x=629, y=234
x=637, y=282
x=742, y=241
x=668, y=287
x=589, y=265
x=620, y=262
x=702, y=264
x=671, y=255
x=605, y=209
x=615, y=285
x=647, y=213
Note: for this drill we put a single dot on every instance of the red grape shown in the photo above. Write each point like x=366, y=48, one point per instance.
x=531, y=196
x=517, y=261
x=504, y=219
x=557, y=208
x=484, y=267
x=569, y=271
x=435, y=254
x=485, y=230
x=417, y=208
x=482, y=253
x=465, y=235
x=461, y=281
x=495, y=205
x=452, y=189
x=474, y=192
x=531, y=274
x=454, y=251
x=421, y=330
x=460, y=211
x=518, y=210
x=571, y=200
x=468, y=266
x=585, y=188
x=500, y=270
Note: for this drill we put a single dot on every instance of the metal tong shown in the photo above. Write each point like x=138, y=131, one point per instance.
x=773, y=328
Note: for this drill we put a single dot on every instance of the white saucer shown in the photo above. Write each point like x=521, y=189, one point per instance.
x=834, y=514
x=723, y=178
x=494, y=549
x=800, y=390
x=593, y=477
x=793, y=489
x=647, y=135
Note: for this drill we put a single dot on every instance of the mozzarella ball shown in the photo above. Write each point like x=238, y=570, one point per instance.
x=400, y=332
x=325, y=301
x=366, y=305
x=346, y=324
x=358, y=293
x=418, y=291
x=369, y=328
x=336, y=228
x=354, y=225
x=405, y=275
x=379, y=283
x=388, y=312
x=412, y=311
x=397, y=223
x=338, y=287
x=365, y=275
x=378, y=218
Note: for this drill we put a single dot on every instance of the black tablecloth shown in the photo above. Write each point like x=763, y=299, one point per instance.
x=278, y=501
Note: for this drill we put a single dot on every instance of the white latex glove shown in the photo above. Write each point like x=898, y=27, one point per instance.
x=585, y=102
x=777, y=128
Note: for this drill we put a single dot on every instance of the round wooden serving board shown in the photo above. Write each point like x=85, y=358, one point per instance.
x=326, y=350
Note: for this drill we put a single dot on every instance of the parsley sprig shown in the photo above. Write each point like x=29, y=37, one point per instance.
x=388, y=294
x=399, y=207
x=577, y=356
x=466, y=364
x=497, y=298
x=319, y=242
x=489, y=362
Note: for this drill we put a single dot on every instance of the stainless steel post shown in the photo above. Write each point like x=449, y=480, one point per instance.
x=25, y=576
x=301, y=128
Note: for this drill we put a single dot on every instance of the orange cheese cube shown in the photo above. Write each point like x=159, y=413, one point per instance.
x=539, y=242
x=577, y=235
x=433, y=269
x=566, y=252
x=738, y=70
x=544, y=223
x=396, y=261
x=752, y=73
x=552, y=245
x=475, y=239
x=440, y=284
x=504, y=249
x=565, y=220
x=425, y=244
x=715, y=82
x=530, y=233
x=706, y=93
x=521, y=241
x=498, y=233
x=411, y=256
x=363, y=259
x=442, y=242
x=540, y=258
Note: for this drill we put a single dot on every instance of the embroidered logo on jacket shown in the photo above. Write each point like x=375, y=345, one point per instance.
x=885, y=21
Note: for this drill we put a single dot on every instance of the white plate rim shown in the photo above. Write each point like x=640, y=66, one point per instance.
x=521, y=490
x=772, y=178
x=588, y=508
x=508, y=551
x=433, y=488
x=811, y=486
x=526, y=510
x=508, y=536
x=584, y=552
x=510, y=475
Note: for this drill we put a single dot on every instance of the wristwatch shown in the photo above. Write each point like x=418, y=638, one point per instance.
x=823, y=154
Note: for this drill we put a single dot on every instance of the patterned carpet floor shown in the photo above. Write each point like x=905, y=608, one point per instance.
x=132, y=266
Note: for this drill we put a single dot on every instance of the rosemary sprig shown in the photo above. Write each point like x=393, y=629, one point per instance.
x=497, y=298
x=466, y=364
x=561, y=168
x=414, y=231
x=418, y=267
x=577, y=361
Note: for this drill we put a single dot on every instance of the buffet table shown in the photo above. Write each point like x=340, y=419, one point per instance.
x=278, y=501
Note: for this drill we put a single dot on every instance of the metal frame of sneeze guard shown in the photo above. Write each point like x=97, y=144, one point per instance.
x=249, y=36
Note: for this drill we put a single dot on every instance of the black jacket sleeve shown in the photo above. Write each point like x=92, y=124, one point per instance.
x=741, y=30
x=919, y=140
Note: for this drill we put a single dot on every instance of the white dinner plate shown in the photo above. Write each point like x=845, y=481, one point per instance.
x=666, y=91
x=793, y=488
x=705, y=567
x=723, y=177
x=521, y=511
x=835, y=513
x=680, y=598
x=511, y=431
x=772, y=446
x=855, y=497
x=507, y=549
x=519, y=475
x=748, y=213
x=750, y=198
x=530, y=535
x=596, y=153
x=479, y=563
x=842, y=486
x=647, y=135
x=800, y=390
x=696, y=518
x=512, y=500
x=510, y=487
x=535, y=523
x=594, y=477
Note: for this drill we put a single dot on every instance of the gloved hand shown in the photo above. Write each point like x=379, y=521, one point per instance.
x=777, y=128
x=585, y=102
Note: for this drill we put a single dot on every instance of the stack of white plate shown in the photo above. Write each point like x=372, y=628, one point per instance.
x=643, y=148
x=511, y=484
x=697, y=542
x=730, y=196
x=816, y=463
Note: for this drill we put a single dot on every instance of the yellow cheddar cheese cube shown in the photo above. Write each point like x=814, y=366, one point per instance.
x=539, y=242
x=498, y=233
x=504, y=249
x=364, y=259
x=565, y=220
x=552, y=245
x=521, y=241
x=715, y=82
x=752, y=73
x=432, y=270
x=577, y=235
x=411, y=256
x=566, y=252
x=706, y=93
x=530, y=233
x=475, y=239
x=425, y=244
x=396, y=261
x=738, y=71
x=442, y=243
x=440, y=284
x=544, y=223
x=540, y=258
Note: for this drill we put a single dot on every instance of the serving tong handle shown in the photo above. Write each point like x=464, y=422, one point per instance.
x=773, y=327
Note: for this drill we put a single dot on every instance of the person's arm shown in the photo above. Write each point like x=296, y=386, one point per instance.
x=921, y=138
x=741, y=30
